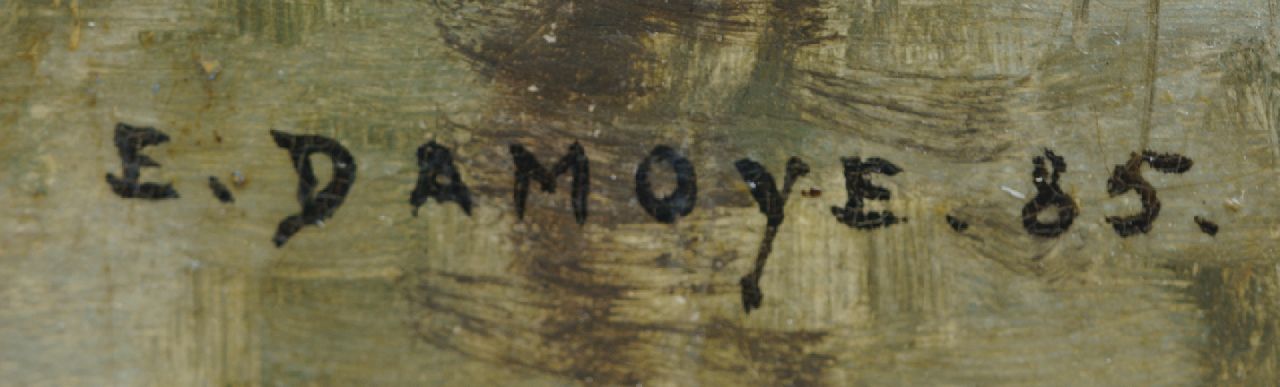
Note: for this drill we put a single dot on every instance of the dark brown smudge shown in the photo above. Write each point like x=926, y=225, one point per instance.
x=601, y=49
x=1239, y=308
x=559, y=308
x=611, y=53
x=560, y=314
x=792, y=24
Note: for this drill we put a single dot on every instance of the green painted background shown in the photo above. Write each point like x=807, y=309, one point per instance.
x=100, y=290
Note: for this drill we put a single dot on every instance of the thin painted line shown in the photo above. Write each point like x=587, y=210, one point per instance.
x=1153, y=37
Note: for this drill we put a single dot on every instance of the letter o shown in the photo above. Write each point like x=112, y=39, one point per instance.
x=680, y=202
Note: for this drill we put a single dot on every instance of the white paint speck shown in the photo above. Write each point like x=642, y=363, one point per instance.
x=533, y=88
x=1013, y=192
x=1234, y=203
x=551, y=39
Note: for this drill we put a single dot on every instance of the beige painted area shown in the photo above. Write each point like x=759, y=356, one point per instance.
x=100, y=290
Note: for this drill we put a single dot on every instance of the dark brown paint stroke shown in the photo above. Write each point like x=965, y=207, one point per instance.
x=598, y=49
x=597, y=350
x=1242, y=345
x=559, y=307
x=560, y=311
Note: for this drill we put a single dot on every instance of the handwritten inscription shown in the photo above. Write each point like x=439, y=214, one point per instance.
x=859, y=188
x=220, y=191
x=439, y=178
x=957, y=224
x=1049, y=195
x=320, y=206
x=680, y=202
x=1206, y=226
x=771, y=202
x=436, y=162
x=1128, y=176
x=129, y=142
x=528, y=168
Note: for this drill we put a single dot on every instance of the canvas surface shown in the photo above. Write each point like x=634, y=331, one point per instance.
x=384, y=280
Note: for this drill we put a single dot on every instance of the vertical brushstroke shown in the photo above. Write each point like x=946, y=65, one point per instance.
x=1080, y=24
x=1153, y=39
